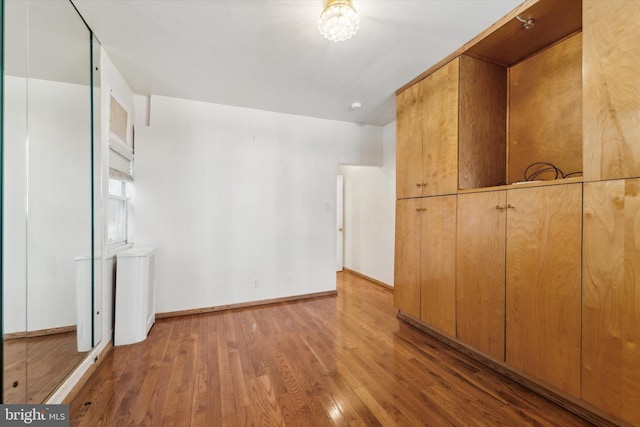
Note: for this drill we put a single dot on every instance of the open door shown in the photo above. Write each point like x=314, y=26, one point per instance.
x=340, y=223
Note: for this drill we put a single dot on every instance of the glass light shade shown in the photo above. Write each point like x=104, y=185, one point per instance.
x=339, y=21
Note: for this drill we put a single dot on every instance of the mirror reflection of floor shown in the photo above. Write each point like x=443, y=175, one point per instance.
x=49, y=358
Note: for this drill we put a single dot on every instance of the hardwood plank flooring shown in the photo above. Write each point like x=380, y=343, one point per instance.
x=329, y=361
x=49, y=359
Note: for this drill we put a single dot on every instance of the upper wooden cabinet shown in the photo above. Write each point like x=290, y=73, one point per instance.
x=409, y=143
x=611, y=298
x=544, y=234
x=519, y=103
x=611, y=89
x=440, y=131
x=451, y=130
x=427, y=135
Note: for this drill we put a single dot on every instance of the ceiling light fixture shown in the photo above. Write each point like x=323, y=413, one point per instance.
x=338, y=21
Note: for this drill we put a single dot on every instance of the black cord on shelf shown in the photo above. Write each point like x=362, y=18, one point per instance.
x=544, y=167
x=571, y=174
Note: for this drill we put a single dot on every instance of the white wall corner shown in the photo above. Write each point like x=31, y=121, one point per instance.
x=371, y=147
x=143, y=110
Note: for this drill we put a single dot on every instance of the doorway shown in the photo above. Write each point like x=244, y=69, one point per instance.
x=340, y=223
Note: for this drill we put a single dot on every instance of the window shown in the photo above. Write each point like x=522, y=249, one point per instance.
x=120, y=172
x=117, y=231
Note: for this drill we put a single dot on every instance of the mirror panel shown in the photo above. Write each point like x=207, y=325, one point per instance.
x=50, y=243
x=14, y=243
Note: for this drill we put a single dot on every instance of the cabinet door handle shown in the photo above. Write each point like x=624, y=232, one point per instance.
x=510, y=206
x=500, y=207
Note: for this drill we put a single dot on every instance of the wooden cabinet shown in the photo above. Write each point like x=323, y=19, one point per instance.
x=409, y=143
x=440, y=131
x=611, y=89
x=427, y=135
x=406, y=291
x=480, y=271
x=450, y=130
x=424, y=282
x=611, y=298
x=438, y=267
x=555, y=301
x=544, y=235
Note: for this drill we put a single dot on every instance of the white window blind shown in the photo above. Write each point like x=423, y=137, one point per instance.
x=120, y=153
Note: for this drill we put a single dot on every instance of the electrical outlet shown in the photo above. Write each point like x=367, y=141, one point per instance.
x=287, y=278
x=254, y=283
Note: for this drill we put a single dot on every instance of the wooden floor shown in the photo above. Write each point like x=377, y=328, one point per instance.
x=342, y=361
x=49, y=359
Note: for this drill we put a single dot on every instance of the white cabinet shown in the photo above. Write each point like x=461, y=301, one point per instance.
x=135, y=306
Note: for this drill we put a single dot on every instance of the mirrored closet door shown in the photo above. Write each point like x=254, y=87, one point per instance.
x=50, y=283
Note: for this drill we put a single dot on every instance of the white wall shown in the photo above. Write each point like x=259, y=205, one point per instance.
x=369, y=213
x=232, y=195
x=110, y=80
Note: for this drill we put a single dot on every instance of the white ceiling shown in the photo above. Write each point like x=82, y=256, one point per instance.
x=269, y=55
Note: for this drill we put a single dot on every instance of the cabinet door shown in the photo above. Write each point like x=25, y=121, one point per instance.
x=409, y=142
x=438, y=261
x=480, y=271
x=611, y=298
x=407, y=257
x=544, y=231
x=611, y=89
x=440, y=134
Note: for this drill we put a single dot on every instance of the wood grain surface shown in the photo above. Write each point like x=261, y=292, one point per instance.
x=544, y=233
x=440, y=131
x=545, y=110
x=438, y=263
x=409, y=143
x=611, y=298
x=480, y=271
x=611, y=89
x=332, y=361
x=509, y=43
x=483, y=124
x=407, y=256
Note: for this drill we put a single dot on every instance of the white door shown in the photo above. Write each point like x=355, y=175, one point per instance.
x=340, y=223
